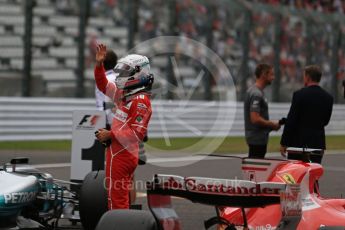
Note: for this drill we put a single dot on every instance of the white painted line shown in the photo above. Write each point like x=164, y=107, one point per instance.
x=189, y=158
x=159, y=160
x=155, y=160
x=198, y=158
x=176, y=159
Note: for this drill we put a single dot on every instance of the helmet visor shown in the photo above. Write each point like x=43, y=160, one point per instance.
x=124, y=70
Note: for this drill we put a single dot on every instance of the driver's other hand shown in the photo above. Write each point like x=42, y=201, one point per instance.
x=103, y=135
x=283, y=150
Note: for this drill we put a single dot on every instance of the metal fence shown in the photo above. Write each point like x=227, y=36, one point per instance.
x=51, y=119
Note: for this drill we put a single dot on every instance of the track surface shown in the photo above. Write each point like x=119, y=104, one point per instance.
x=192, y=215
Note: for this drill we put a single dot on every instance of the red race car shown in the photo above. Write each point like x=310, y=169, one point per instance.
x=283, y=195
x=317, y=211
x=274, y=194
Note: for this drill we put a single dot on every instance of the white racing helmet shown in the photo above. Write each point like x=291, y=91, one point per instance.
x=133, y=72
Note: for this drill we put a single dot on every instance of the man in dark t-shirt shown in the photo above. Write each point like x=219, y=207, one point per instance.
x=256, y=119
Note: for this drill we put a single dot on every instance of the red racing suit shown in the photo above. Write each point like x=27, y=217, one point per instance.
x=128, y=128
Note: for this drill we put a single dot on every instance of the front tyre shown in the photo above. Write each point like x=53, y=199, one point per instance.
x=93, y=199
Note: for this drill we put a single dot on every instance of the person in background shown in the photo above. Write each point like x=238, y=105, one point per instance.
x=310, y=111
x=256, y=117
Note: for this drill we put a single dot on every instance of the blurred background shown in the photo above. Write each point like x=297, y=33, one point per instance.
x=47, y=51
x=47, y=47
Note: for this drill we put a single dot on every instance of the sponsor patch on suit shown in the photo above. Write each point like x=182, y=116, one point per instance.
x=120, y=115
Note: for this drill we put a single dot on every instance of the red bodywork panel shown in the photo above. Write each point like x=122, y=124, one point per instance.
x=316, y=211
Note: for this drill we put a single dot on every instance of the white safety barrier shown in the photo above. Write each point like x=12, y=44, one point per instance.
x=51, y=118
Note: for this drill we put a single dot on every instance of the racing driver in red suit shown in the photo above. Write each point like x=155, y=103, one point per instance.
x=130, y=93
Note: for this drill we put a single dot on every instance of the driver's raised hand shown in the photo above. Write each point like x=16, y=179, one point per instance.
x=101, y=52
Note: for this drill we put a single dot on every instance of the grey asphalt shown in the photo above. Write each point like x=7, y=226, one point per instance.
x=192, y=215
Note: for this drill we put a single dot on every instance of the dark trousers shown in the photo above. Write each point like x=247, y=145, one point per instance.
x=257, y=151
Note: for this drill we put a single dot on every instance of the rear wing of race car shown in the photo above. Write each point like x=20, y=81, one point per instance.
x=304, y=154
x=219, y=193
